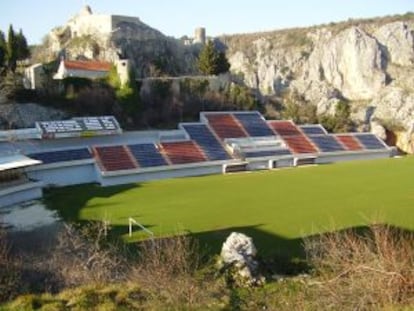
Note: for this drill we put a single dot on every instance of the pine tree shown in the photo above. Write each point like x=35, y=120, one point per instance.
x=211, y=61
x=207, y=60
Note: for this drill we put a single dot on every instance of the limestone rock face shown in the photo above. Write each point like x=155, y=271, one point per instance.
x=378, y=129
x=398, y=40
x=351, y=62
x=395, y=105
x=270, y=70
x=369, y=64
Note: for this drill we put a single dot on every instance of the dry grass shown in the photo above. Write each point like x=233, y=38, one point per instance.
x=363, y=271
x=83, y=255
x=167, y=272
x=9, y=270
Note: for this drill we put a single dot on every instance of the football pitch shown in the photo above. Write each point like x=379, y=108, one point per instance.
x=277, y=208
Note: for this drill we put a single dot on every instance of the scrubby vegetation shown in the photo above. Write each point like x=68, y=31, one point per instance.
x=366, y=269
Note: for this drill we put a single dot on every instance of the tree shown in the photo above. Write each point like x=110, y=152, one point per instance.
x=211, y=61
x=22, y=49
x=223, y=64
x=340, y=122
x=11, y=49
x=3, y=49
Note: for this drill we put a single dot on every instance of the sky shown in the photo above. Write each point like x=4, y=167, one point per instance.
x=180, y=17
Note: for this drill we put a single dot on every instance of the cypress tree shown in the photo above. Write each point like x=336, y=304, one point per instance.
x=11, y=49
x=3, y=49
x=22, y=49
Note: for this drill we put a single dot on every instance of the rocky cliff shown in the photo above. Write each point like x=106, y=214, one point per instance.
x=369, y=63
x=113, y=37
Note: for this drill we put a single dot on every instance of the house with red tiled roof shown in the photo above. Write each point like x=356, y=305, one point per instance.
x=90, y=69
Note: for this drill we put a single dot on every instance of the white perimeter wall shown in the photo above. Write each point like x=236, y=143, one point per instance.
x=64, y=175
x=117, y=179
x=20, y=193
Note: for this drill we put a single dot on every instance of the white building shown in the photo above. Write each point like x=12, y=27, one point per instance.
x=82, y=69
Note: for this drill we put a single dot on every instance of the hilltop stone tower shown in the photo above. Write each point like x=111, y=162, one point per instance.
x=200, y=35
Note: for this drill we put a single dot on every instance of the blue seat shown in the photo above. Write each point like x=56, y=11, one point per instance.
x=201, y=134
x=370, y=141
x=147, y=155
x=61, y=155
x=326, y=143
x=313, y=130
x=253, y=123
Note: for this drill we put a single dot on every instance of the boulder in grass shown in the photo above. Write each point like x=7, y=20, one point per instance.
x=237, y=261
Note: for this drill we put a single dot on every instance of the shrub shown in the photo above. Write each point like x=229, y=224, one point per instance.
x=85, y=255
x=167, y=268
x=367, y=270
x=9, y=270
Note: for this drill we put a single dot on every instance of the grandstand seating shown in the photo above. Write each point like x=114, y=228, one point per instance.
x=114, y=158
x=147, y=155
x=201, y=134
x=225, y=125
x=291, y=134
x=285, y=128
x=299, y=144
x=349, y=142
x=313, y=129
x=370, y=141
x=254, y=124
x=61, y=155
x=183, y=152
x=326, y=143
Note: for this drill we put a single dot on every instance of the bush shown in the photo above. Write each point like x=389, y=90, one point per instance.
x=167, y=268
x=85, y=255
x=367, y=270
x=9, y=270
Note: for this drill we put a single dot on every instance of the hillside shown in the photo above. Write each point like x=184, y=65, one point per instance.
x=367, y=63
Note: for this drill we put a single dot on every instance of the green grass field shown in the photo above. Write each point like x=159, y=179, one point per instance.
x=277, y=208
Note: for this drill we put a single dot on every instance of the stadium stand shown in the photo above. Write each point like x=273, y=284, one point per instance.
x=299, y=144
x=201, y=134
x=370, y=141
x=114, y=158
x=225, y=125
x=61, y=155
x=147, y=155
x=285, y=128
x=349, y=142
x=253, y=124
x=326, y=143
x=95, y=149
x=183, y=152
x=313, y=129
x=292, y=135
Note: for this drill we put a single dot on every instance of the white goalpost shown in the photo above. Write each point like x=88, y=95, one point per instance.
x=132, y=222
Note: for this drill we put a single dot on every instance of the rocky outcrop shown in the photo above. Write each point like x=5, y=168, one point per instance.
x=113, y=37
x=369, y=64
x=398, y=42
x=15, y=115
x=351, y=62
x=238, y=260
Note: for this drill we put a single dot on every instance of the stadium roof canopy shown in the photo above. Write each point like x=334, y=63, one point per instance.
x=9, y=162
